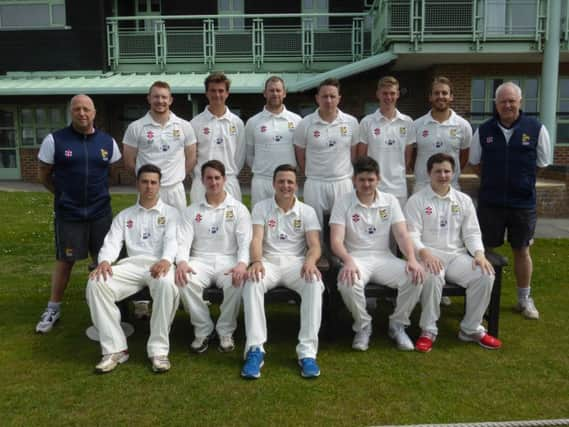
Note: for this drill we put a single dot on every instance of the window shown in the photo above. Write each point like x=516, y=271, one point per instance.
x=230, y=7
x=482, y=96
x=38, y=121
x=147, y=8
x=563, y=111
x=317, y=6
x=30, y=14
x=505, y=17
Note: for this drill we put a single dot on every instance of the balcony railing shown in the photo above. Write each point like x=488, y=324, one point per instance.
x=237, y=39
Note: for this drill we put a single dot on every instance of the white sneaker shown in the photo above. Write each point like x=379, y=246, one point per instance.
x=141, y=309
x=226, y=344
x=527, y=308
x=47, y=320
x=361, y=339
x=446, y=301
x=199, y=344
x=397, y=333
x=160, y=363
x=111, y=361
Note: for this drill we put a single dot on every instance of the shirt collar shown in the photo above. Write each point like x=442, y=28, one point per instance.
x=148, y=120
x=158, y=207
x=228, y=201
x=451, y=195
x=295, y=208
x=398, y=115
x=340, y=117
x=452, y=120
x=379, y=200
x=211, y=116
x=267, y=113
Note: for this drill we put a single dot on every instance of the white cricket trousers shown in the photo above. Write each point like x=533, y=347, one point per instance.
x=458, y=268
x=383, y=268
x=130, y=275
x=174, y=195
x=197, y=191
x=284, y=271
x=261, y=189
x=207, y=271
x=321, y=195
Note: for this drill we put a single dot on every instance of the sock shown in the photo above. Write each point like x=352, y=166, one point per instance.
x=54, y=306
x=523, y=294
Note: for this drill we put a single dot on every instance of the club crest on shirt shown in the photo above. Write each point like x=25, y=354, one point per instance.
x=206, y=131
x=377, y=131
x=355, y=218
x=525, y=139
x=263, y=129
x=68, y=153
x=104, y=154
x=129, y=223
x=455, y=209
x=68, y=251
x=402, y=131
x=428, y=210
x=229, y=215
x=489, y=139
x=343, y=130
x=425, y=133
x=149, y=135
x=291, y=125
x=232, y=130
x=272, y=223
x=198, y=217
x=452, y=132
x=176, y=133
x=161, y=220
x=316, y=134
x=297, y=224
x=383, y=214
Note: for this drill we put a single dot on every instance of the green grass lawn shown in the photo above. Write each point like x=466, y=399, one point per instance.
x=50, y=380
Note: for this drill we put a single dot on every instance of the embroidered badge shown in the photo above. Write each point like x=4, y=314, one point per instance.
x=145, y=235
x=164, y=147
x=263, y=129
x=355, y=218
x=229, y=215
x=104, y=154
x=371, y=229
x=425, y=133
x=390, y=142
x=377, y=131
x=277, y=138
x=383, y=214
x=272, y=223
x=428, y=210
x=68, y=153
x=438, y=144
x=403, y=131
x=149, y=135
x=343, y=130
x=219, y=140
x=68, y=251
x=297, y=224
x=443, y=222
x=489, y=139
x=232, y=130
x=331, y=143
x=452, y=132
x=161, y=220
x=525, y=139
x=283, y=236
x=198, y=217
x=213, y=229
x=316, y=134
x=129, y=223
x=291, y=125
x=454, y=208
x=176, y=133
x=206, y=131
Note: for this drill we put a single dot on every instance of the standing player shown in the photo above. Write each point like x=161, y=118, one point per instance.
x=269, y=139
x=74, y=166
x=360, y=225
x=214, y=238
x=507, y=151
x=165, y=140
x=386, y=136
x=445, y=232
x=325, y=144
x=441, y=130
x=284, y=251
x=221, y=136
x=148, y=230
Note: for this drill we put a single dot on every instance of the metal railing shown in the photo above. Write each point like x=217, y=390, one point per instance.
x=257, y=39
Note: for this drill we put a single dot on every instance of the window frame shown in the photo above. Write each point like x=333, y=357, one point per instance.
x=22, y=3
x=52, y=126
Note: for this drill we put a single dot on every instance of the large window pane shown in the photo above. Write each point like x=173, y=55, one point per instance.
x=26, y=15
x=531, y=88
x=477, y=106
x=6, y=118
x=563, y=132
x=8, y=159
x=564, y=88
x=478, y=88
x=7, y=138
x=531, y=106
x=58, y=14
x=41, y=116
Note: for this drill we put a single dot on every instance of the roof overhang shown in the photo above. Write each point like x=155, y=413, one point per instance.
x=97, y=83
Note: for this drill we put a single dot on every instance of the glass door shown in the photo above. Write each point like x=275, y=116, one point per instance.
x=9, y=152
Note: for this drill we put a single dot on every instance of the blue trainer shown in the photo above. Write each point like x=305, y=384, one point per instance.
x=309, y=368
x=253, y=363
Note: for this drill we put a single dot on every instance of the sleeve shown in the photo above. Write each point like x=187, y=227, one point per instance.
x=311, y=222
x=411, y=133
x=114, y=240
x=355, y=132
x=241, y=149
x=471, y=233
x=257, y=216
x=190, y=135
x=250, y=142
x=299, y=138
x=467, y=139
x=396, y=212
x=543, y=148
x=414, y=222
x=184, y=236
x=47, y=150
x=170, y=244
x=364, y=131
x=244, y=233
x=338, y=215
x=475, y=150
x=116, y=152
x=130, y=136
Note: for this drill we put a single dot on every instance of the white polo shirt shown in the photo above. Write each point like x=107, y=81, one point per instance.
x=269, y=140
x=327, y=145
x=150, y=232
x=447, y=223
x=449, y=137
x=367, y=228
x=220, y=138
x=285, y=233
x=386, y=140
x=207, y=231
x=543, y=146
x=160, y=145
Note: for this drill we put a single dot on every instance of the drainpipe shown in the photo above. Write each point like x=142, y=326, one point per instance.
x=550, y=70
